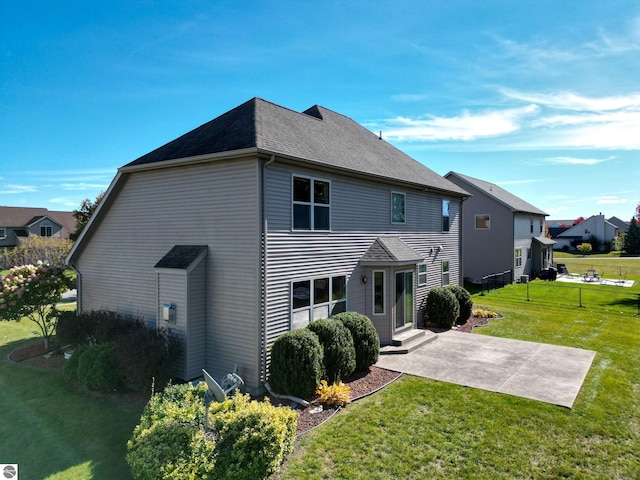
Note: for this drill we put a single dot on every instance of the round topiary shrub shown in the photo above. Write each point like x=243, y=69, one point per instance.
x=98, y=368
x=464, y=300
x=70, y=367
x=337, y=343
x=296, y=363
x=442, y=307
x=365, y=338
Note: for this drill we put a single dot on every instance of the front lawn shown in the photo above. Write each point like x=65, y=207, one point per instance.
x=53, y=430
x=418, y=428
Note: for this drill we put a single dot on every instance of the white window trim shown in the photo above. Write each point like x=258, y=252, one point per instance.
x=313, y=305
x=518, y=258
x=3, y=233
x=422, y=284
x=404, y=204
x=384, y=292
x=443, y=273
x=310, y=203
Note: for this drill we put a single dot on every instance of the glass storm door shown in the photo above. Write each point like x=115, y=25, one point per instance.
x=404, y=299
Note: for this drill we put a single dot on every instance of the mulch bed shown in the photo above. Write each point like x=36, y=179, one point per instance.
x=361, y=384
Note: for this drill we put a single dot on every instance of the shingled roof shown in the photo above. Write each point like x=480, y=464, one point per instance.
x=498, y=193
x=26, y=216
x=318, y=136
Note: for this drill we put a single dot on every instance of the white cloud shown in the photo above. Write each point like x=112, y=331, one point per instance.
x=464, y=127
x=576, y=161
x=572, y=101
x=610, y=200
x=83, y=186
x=17, y=189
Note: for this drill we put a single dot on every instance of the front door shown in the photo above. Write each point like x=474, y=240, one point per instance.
x=404, y=299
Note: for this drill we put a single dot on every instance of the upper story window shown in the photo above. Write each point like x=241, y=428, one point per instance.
x=311, y=204
x=3, y=234
x=45, y=231
x=398, y=202
x=541, y=224
x=531, y=223
x=445, y=215
x=483, y=222
x=518, y=257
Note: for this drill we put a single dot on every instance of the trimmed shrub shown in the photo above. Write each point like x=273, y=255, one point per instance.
x=253, y=437
x=169, y=441
x=296, y=363
x=248, y=440
x=98, y=368
x=70, y=367
x=365, y=338
x=337, y=343
x=442, y=307
x=464, y=300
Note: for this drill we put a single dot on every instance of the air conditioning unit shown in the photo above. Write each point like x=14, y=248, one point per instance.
x=524, y=278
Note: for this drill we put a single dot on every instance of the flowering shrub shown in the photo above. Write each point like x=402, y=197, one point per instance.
x=32, y=291
x=482, y=313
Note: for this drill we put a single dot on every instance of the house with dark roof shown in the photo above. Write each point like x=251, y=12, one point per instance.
x=22, y=222
x=261, y=221
x=501, y=233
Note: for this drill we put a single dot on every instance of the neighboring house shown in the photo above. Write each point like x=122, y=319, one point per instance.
x=500, y=232
x=596, y=226
x=622, y=226
x=263, y=220
x=22, y=222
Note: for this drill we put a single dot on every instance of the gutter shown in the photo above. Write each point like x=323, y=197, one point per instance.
x=263, y=273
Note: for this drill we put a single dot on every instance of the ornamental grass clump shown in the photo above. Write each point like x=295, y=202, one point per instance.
x=337, y=394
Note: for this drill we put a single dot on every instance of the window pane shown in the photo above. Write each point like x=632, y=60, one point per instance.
x=301, y=294
x=321, y=312
x=397, y=208
x=338, y=288
x=445, y=266
x=320, y=291
x=339, y=307
x=300, y=319
x=445, y=215
x=321, y=192
x=302, y=217
x=483, y=221
x=378, y=292
x=321, y=218
x=301, y=189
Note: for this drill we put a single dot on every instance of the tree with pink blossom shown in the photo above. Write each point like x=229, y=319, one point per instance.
x=32, y=291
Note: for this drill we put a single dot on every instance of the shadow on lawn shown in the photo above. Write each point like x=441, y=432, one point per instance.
x=52, y=427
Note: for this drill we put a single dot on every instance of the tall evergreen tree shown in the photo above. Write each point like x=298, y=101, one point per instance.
x=632, y=238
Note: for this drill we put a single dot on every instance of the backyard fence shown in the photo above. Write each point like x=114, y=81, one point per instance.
x=552, y=293
x=496, y=280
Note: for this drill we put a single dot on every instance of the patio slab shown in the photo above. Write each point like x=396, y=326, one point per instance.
x=538, y=371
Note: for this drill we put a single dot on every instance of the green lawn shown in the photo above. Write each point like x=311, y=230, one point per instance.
x=52, y=430
x=417, y=428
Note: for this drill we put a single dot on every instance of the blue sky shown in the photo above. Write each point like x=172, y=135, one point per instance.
x=540, y=97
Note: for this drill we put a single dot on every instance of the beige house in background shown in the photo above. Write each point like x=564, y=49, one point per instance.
x=23, y=222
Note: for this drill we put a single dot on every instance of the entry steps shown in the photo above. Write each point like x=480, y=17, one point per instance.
x=408, y=341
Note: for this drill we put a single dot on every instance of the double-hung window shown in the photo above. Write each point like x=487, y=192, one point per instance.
x=311, y=204
x=317, y=298
x=422, y=274
x=45, y=231
x=445, y=215
x=518, y=257
x=445, y=272
x=398, y=202
x=3, y=234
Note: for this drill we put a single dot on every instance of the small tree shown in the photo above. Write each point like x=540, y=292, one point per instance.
x=84, y=213
x=33, y=291
x=584, y=248
x=632, y=238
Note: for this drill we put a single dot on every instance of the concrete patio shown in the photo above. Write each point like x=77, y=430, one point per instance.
x=548, y=373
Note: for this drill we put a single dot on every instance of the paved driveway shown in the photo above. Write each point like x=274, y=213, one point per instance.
x=548, y=373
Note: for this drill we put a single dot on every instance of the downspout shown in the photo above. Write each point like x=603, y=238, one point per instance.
x=263, y=273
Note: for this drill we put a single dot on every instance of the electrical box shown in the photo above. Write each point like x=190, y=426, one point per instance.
x=169, y=313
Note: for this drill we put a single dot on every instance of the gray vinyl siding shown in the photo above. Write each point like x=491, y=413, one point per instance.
x=360, y=212
x=213, y=204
